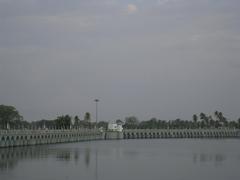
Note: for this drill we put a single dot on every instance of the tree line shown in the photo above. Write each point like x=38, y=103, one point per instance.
x=11, y=119
x=201, y=121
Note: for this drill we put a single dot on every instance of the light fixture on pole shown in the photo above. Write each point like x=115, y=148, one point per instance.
x=96, y=100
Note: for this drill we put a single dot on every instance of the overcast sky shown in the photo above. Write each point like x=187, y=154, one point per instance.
x=148, y=58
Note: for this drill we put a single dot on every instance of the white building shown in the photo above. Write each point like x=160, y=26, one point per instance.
x=115, y=127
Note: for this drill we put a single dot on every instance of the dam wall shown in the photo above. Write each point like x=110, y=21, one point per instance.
x=113, y=135
x=180, y=133
x=12, y=138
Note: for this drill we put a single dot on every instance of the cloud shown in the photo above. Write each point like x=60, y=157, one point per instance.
x=132, y=8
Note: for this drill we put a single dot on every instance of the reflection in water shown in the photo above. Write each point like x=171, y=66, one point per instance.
x=217, y=159
x=131, y=153
x=76, y=155
x=64, y=156
x=107, y=160
x=96, y=167
x=87, y=156
x=9, y=157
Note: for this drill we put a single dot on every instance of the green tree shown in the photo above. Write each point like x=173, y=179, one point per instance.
x=131, y=122
x=76, y=121
x=195, y=118
x=87, y=120
x=102, y=124
x=63, y=122
x=87, y=117
x=205, y=120
x=68, y=121
x=211, y=122
x=216, y=114
x=8, y=116
x=221, y=118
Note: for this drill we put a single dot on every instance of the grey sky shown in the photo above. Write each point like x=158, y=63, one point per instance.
x=149, y=58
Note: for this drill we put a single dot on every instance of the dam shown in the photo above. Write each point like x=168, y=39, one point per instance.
x=180, y=133
x=13, y=138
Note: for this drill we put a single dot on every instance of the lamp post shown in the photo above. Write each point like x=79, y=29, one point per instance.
x=96, y=101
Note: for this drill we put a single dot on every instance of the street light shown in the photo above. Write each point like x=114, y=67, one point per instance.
x=96, y=100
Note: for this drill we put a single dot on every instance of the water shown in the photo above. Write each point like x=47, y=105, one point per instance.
x=155, y=159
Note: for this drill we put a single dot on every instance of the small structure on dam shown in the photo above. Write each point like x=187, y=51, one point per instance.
x=115, y=131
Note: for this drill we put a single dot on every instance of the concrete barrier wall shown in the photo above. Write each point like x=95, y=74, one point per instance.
x=180, y=133
x=11, y=138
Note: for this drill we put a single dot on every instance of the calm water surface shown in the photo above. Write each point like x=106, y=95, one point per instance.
x=155, y=159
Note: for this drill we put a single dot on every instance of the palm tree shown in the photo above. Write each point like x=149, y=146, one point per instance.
x=221, y=118
x=216, y=113
x=205, y=119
